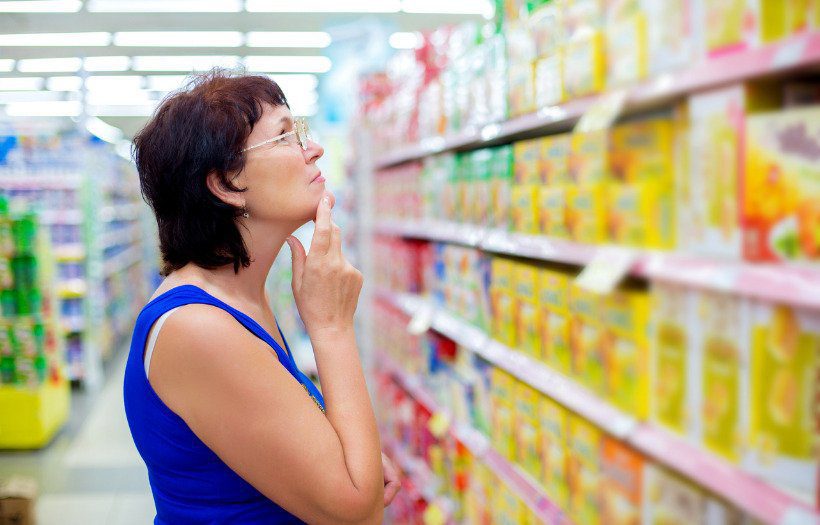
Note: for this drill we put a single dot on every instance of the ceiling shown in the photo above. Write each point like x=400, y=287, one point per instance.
x=94, y=16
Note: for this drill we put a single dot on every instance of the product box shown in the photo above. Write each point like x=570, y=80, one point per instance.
x=584, y=65
x=584, y=471
x=585, y=309
x=545, y=25
x=502, y=299
x=527, y=161
x=587, y=212
x=730, y=25
x=641, y=214
x=589, y=157
x=676, y=372
x=582, y=17
x=528, y=430
x=500, y=187
x=525, y=214
x=781, y=189
x=554, y=432
x=710, y=219
x=643, y=150
x=526, y=296
x=555, y=159
x=552, y=211
x=670, y=500
x=549, y=79
x=521, y=82
x=626, y=51
x=502, y=436
x=670, y=34
x=785, y=360
x=621, y=483
x=723, y=345
x=481, y=182
x=625, y=339
x=553, y=304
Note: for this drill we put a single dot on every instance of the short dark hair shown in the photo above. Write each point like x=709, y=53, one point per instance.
x=197, y=130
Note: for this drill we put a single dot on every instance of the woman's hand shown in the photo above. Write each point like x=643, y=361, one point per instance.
x=392, y=482
x=325, y=285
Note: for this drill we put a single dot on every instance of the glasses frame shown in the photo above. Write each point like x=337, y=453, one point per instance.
x=300, y=129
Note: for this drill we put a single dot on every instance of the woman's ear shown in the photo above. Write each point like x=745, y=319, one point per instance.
x=215, y=185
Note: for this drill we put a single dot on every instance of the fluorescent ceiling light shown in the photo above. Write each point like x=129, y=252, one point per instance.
x=182, y=63
x=136, y=110
x=404, y=40
x=55, y=39
x=113, y=83
x=103, y=130
x=9, y=97
x=165, y=82
x=164, y=6
x=323, y=6
x=288, y=39
x=114, y=63
x=121, y=98
x=304, y=82
x=178, y=39
x=41, y=6
x=49, y=65
x=61, y=108
x=296, y=64
x=6, y=64
x=21, y=83
x=64, y=83
x=123, y=149
x=307, y=110
x=455, y=7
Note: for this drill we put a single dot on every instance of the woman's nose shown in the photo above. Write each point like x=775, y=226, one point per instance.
x=313, y=152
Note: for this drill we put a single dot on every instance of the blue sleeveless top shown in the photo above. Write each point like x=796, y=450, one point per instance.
x=189, y=482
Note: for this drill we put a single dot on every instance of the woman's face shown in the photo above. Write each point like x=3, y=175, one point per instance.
x=282, y=180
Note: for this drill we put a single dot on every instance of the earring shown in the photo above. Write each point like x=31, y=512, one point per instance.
x=245, y=212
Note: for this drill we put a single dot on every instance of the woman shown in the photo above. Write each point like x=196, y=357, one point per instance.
x=230, y=430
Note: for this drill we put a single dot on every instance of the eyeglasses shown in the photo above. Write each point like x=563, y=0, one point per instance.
x=300, y=131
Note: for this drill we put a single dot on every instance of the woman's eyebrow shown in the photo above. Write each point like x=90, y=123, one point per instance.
x=286, y=119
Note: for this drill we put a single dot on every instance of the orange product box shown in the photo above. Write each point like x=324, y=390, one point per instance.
x=622, y=483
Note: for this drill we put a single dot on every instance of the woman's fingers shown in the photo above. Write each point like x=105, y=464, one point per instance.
x=392, y=482
x=298, y=256
x=323, y=232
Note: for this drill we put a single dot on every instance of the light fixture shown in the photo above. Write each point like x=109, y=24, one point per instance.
x=10, y=97
x=112, y=63
x=103, y=130
x=287, y=39
x=165, y=82
x=90, y=39
x=164, y=6
x=21, y=84
x=404, y=40
x=182, y=63
x=114, y=83
x=6, y=64
x=123, y=149
x=298, y=81
x=64, y=83
x=295, y=64
x=178, y=39
x=61, y=108
x=128, y=97
x=135, y=110
x=41, y=6
x=49, y=65
x=453, y=7
x=323, y=6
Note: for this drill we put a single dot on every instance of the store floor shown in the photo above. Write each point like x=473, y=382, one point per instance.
x=91, y=472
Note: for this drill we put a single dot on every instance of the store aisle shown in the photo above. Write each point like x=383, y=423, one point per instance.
x=91, y=473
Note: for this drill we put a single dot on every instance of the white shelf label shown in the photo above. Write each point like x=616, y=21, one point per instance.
x=421, y=320
x=607, y=268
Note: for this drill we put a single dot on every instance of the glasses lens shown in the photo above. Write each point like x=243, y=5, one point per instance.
x=303, y=133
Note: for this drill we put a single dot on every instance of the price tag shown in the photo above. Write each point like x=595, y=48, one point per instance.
x=421, y=320
x=789, y=53
x=602, y=113
x=607, y=268
x=439, y=424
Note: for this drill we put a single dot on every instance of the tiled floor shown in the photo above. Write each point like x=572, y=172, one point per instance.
x=91, y=473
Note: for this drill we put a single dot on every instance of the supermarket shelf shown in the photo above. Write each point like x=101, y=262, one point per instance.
x=61, y=216
x=72, y=288
x=121, y=236
x=26, y=180
x=799, y=51
x=73, y=324
x=425, y=481
x=122, y=261
x=478, y=445
x=748, y=493
x=783, y=283
x=127, y=212
x=69, y=252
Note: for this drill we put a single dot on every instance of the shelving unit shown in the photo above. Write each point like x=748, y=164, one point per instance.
x=761, y=500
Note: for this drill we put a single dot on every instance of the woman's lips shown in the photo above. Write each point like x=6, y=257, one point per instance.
x=318, y=178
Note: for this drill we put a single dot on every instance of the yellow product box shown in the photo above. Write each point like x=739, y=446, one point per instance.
x=554, y=432
x=586, y=312
x=526, y=296
x=781, y=188
x=584, y=471
x=508, y=509
x=716, y=157
x=521, y=85
x=643, y=150
x=526, y=161
x=528, y=430
x=553, y=304
x=504, y=316
x=552, y=211
x=625, y=343
x=641, y=214
x=588, y=157
x=587, y=212
x=525, y=208
x=675, y=376
x=737, y=24
x=785, y=363
x=724, y=350
x=584, y=65
x=549, y=79
x=503, y=413
x=503, y=273
x=670, y=500
x=622, y=483
x=555, y=159
x=583, y=16
x=626, y=51
x=546, y=27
